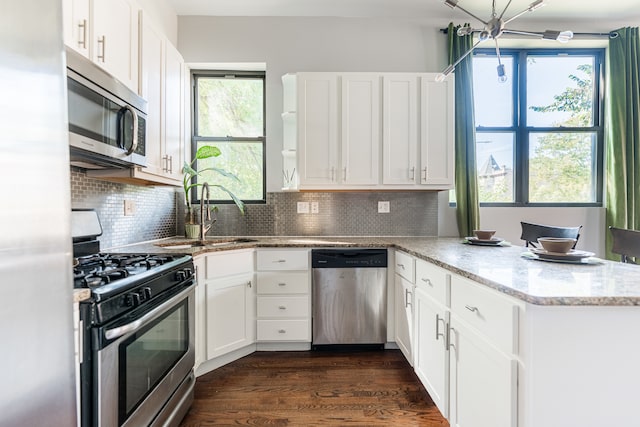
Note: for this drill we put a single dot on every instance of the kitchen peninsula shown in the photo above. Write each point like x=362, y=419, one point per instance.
x=522, y=342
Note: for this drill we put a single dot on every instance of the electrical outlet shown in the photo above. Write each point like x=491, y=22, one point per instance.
x=129, y=208
x=383, y=207
x=314, y=207
x=303, y=207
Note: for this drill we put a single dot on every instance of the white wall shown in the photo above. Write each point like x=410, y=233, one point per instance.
x=163, y=16
x=354, y=44
x=290, y=45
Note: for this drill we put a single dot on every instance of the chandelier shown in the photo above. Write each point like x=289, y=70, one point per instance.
x=494, y=28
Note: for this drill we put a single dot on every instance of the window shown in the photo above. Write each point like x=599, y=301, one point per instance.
x=539, y=137
x=229, y=112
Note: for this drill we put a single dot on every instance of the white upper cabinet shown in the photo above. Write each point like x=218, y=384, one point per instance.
x=317, y=129
x=76, y=25
x=437, y=131
x=360, y=129
x=105, y=31
x=367, y=131
x=162, y=84
x=400, y=129
x=114, y=43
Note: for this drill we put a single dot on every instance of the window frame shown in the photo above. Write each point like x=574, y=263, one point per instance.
x=195, y=138
x=521, y=131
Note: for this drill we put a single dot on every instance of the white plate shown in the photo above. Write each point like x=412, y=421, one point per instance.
x=583, y=261
x=572, y=255
x=484, y=242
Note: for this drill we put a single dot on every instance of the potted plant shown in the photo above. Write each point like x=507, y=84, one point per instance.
x=192, y=227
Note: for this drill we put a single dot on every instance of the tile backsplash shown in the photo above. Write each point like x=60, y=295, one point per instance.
x=154, y=215
x=159, y=213
x=412, y=213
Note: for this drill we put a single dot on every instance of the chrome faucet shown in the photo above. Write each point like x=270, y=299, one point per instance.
x=204, y=228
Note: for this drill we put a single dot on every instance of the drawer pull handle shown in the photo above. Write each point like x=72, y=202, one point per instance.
x=407, y=300
x=282, y=331
x=249, y=284
x=401, y=266
x=279, y=261
x=282, y=307
x=471, y=308
x=282, y=284
x=427, y=281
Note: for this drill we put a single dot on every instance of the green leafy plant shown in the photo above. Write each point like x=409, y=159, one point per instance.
x=189, y=171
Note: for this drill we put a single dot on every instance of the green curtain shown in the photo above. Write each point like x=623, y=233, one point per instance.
x=467, y=208
x=622, y=138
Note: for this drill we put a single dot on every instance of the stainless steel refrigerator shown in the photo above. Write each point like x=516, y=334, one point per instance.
x=36, y=285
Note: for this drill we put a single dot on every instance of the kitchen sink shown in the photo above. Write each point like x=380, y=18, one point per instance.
x=207, y=243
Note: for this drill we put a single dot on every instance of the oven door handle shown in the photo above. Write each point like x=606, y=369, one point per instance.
x=111, y=334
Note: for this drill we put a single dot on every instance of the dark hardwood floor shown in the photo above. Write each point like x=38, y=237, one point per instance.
x=316, y=388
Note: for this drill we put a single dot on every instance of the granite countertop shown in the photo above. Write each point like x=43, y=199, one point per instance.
x=606, y=283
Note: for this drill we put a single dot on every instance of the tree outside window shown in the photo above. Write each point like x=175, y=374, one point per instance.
x=229, y=113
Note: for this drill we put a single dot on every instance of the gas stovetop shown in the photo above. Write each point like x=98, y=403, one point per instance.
x=104, y=269
x=121, y=283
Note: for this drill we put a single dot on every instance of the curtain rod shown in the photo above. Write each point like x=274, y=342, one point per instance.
x=611, y=34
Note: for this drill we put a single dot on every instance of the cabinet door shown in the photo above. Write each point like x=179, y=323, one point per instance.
x=431, y=356
x=77, y=25
x=404, y=316
x=400, y=129
x=151, y=89
x=360, y=141
x=483, y=381
x=437, y=130
x=201, y=312
x=173, y=148
x=231, y=315
x=115, y=39
x=317, y=130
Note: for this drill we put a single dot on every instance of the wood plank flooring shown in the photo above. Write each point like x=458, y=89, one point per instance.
x=315, y=388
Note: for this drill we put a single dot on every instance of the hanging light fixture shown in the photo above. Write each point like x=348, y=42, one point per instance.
x=494, y=28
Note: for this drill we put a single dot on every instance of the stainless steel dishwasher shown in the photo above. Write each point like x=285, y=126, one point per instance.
x=349, y=297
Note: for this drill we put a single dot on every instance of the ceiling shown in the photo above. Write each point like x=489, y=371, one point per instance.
x=555, y=10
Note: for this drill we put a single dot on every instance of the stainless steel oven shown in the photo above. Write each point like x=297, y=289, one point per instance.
x=142, y=360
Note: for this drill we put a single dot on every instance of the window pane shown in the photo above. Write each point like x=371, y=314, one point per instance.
x=561, y=167
x=493, y=100
x=242, y=158
x=494, y=160
x=559, y=91
x=230, y=107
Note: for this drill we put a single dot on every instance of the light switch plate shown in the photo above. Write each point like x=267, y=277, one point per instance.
x=129, y=208
x=314, y=207
x=383, y=207
x=303, y=207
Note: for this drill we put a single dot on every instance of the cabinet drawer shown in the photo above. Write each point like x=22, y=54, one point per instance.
x=495, y=316
x=434, y=281
x=288, y=259
x=229, y=264
x=284, y=330
x=283, y=306
x=405, y=266
x=288, y=282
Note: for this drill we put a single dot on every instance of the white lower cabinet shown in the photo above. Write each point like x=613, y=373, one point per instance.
x=483, y=381
x=225, y=303
x=465, y=345
x=284, y=298
x=431, y=354
x=404, y=316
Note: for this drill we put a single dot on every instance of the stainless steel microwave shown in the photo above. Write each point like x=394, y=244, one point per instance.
x=107, y=120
